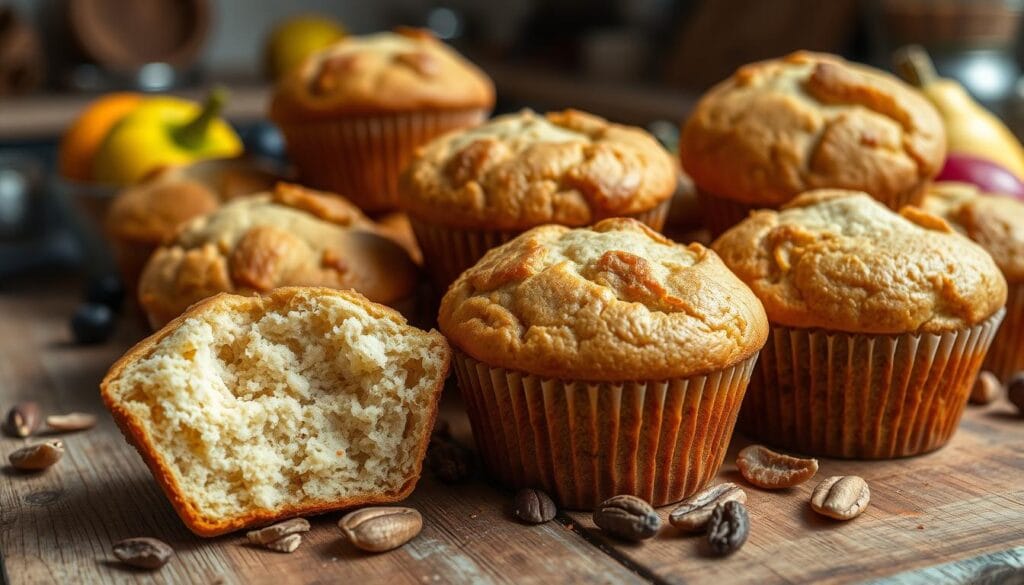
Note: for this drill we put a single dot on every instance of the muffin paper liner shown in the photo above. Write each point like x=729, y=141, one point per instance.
x=1006, y=357
x=584, y=442
x=863, y=396
x=448, y=251
x=362, y=157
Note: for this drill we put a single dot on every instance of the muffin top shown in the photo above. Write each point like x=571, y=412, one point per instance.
x=996, y=222
x=524, y=169
x=406, y=70
x=290, y=237
x=612, y=302
x=808, y=121
x=842, y=261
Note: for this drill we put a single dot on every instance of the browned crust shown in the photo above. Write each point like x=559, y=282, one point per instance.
x=136, y=436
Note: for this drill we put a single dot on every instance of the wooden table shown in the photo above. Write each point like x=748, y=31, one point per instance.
x=948, y=517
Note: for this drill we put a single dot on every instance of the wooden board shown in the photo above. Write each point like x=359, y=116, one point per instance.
x=933, y=519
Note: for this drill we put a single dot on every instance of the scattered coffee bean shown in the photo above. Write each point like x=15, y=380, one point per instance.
x=144, y=553
x=728, y=528
x=987, y=388
x=73, y=421
x=278, y=531
x=694, y=512
x=770, y=470
x=92, y=323
x=533, y=506
x=1015, y=391
x=38, y=456
x=106, y=290
x=286, y=544
x=841, y=497
x=22, y=419
x=449, y=461
x=381, y=529
x=628, y=518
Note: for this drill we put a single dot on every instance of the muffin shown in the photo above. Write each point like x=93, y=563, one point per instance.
x=808, y=121
x=601, y=361
x=469, y=191
x=997, y=224
x=290, y=237
x=249, y=410
x=143, y=216
x=353, y=113
x=880, y=322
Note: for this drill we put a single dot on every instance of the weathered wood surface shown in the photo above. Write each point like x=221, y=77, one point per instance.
x=948, y=508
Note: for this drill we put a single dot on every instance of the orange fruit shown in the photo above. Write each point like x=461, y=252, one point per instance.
x=82, y=140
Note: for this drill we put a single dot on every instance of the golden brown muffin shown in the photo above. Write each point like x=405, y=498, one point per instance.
x=808, y=121
x=996, y=222
x=611, y=341
x=290, y=237
x=840, y=260
x=523, y=170
x=249, y=410
x=353, y=113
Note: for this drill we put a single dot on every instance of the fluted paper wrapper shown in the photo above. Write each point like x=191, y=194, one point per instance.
x=863, y=396
x=1006, y=357
x=584, y=442
x=447, y=251
x=361, y=157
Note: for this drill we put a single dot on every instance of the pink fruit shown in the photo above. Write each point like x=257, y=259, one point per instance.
x=986, y=175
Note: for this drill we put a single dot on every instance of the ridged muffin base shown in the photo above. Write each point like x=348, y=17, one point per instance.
x=1006, y=356
x=584, y=442
x=863, y=396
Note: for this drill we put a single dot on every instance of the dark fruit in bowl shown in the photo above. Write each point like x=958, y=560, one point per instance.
x=92, y=323
x=105, y=290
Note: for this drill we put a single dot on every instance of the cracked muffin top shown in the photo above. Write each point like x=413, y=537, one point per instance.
x=613, y=302
x=809, y=121
x=841, y=261
x=406, y=70
x=289, y=237
x=996, y=222
x=525, y=169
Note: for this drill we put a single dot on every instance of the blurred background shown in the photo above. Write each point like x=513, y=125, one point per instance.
x=641, y=62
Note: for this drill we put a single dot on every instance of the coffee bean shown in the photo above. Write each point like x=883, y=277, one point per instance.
x=770, y=470
x=381, y=529
x=449, y=461
x=533, y=506
x=73, y=421
x=1015, y=391
x=92, y=323
x=694, y=512
x=841, y=497
x=38, y=456
x=286, y=544
x=628, y=518
x=728, y=528
x=987, y=388
x=144, y=553
x=22, y=419
x=277, y=531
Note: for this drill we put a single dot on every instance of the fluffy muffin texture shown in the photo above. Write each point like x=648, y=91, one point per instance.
x=841, y=261
x=613, y=302
x=387, y=72
x=253, y=409
x=290, y=237
x=807, y=121
x=994, y=221
x=522, y=170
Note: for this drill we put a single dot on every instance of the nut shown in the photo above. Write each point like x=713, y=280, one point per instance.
x=144, y=553
x=449, y=461
x=841, y=497
x=278, y=531
x=533, y=506
x=38, y=456
x=987, y=388
x=22, y=419
x=72, y=421
x=728, y=528
x=770, y=470
x=381, y=528
x=628, y=518
x=1015, y=391
x=286, y=544
x=694, y=512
